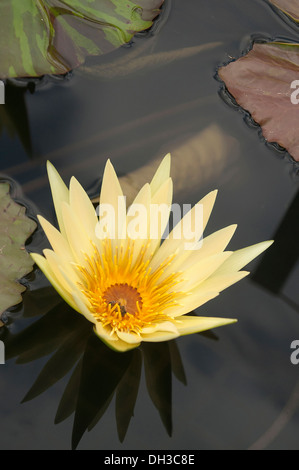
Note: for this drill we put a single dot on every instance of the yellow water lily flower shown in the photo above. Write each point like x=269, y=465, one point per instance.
x=132, y=288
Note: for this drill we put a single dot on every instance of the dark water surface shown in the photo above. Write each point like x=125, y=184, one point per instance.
x=234, y=389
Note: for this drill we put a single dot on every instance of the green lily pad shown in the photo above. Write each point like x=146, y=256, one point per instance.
x=41, y=37
x=15, y=262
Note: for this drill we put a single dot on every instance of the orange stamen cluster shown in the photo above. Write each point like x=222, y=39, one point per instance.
x=123, y=293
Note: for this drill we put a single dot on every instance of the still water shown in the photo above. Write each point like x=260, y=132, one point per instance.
x=235, y=388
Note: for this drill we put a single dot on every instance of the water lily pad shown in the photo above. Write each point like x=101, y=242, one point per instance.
x=265, y=83
x=54, y=36
x=289, y=7
x=15, y=262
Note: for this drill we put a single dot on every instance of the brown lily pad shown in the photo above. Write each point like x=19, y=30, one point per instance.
x=289, y=7
x=265, y=83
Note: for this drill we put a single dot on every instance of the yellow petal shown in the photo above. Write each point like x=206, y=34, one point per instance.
x=161, y=175
x=55, y=262
x=77, y=237
x=82, y=307
x=139, y=211
x=213, y=244
x=112, y=195
x=220, y=282
x=191, y=302
x=45, y=268
x=57, y=241
x=104, y=333
x=131, y=338
x=60, y=193
x=158, y=336
x=163, y=326
x=83, y=209
x=192, y=324
x=241, y=258
x=176, y=242
x=138, y=220
x=227, y=273
x=160, y=212
x=118, y=345
x=201, y=270
x=164, y=194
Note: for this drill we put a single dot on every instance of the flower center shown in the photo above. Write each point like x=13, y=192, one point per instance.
x=122, y=292
x=127, y=297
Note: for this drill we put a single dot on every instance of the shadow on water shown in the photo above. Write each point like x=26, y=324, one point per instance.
x=99, y=373
x=14, y=115
x=278, y=262
x=14, y=119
